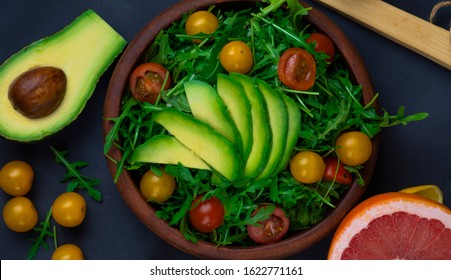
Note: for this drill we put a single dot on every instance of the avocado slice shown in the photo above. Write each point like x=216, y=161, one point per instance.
x=166, y=149
x=83, y=50
x=208, y=107
x=212, y=147
x=261, y=132
x=238, y=107
x=278, y=120
x=294, y=129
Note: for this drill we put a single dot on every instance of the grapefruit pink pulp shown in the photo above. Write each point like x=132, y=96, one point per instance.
x=394, y=226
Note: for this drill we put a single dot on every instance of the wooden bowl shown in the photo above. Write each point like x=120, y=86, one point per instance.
x=128, y=189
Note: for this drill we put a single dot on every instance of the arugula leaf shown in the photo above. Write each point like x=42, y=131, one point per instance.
x=113, y=135
x=75, y=178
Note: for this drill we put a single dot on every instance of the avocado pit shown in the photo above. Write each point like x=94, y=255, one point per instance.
x=37, y=92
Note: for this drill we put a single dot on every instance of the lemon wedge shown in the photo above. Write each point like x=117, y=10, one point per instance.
x=429, y=191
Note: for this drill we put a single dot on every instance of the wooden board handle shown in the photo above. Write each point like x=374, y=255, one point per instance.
x=425, y=38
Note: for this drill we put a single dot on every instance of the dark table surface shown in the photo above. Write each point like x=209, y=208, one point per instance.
x=416, y=154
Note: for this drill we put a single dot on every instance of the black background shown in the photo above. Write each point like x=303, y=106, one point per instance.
x=419, y=153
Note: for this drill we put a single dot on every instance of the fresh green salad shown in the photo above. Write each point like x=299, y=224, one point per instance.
x=244, y=125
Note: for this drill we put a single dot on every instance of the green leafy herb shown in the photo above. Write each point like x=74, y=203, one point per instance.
x=74, y=178
x=44, y=230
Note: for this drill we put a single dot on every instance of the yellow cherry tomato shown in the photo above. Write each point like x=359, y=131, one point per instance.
x=236, y=56
x=16, y=178
x=353, y=148
x=68, y=252
x=19, y=214
x=157, y=188
x=201, y=22
x=307, y=167
x=69, y=209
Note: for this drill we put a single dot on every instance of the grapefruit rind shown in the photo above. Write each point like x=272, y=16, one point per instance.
x=384, y=204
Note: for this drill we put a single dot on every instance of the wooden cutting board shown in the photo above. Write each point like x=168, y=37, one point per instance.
x=421, y=36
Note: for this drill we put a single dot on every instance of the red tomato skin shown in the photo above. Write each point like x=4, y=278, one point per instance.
x=341, y=176
x=206, y=216
x=146, y=81
x=322, y=44
x=272, y=229
x=297, y=69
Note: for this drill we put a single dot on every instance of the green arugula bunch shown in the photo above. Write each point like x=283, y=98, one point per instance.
x=331, y=107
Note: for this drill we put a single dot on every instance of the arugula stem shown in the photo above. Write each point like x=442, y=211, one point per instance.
x=120, y=165
x=299, y=91
x=177, y=86
x=319, y=84
x=55, y=239
x=371, y=102
x=43, y=233
x=272, y=7
x=304, y=107
x=324, y=200
x=114, y=132
x=290, y=35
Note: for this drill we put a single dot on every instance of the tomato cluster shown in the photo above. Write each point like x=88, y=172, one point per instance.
x=296, y=68
x=16, y=179
x=352, y=148
x=20, y=214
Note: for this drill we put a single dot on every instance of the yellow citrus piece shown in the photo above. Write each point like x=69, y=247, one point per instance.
x=429, y=191
x=394, y=225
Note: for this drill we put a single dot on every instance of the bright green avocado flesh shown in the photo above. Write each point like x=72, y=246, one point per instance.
x=202, y=140
x=83, y=50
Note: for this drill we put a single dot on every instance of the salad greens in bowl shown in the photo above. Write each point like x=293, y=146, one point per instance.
x=242, y=129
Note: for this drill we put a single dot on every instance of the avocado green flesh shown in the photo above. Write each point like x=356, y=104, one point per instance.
x=294, y=129
x=83, y=50
x=238, y=107
x=261, y=133
x=278, y=120
x=165, y=149
x=213, y=148
x=208, y=107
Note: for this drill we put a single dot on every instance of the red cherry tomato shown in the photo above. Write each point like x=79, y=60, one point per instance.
x=335, y=171
x=206, y=216
x=146, y=81
x=271, y=230
x=323, y=44
x=297, y=69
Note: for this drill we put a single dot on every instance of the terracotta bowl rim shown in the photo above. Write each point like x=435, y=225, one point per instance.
x=146, y=213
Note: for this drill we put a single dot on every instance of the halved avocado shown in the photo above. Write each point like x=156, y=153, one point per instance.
x=83, y=50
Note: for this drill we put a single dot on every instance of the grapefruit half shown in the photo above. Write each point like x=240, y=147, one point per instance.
x=394, y=226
